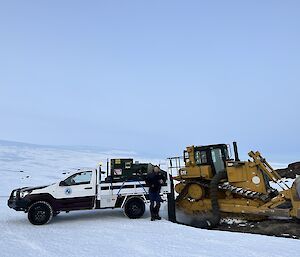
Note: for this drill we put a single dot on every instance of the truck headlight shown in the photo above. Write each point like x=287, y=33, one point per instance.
x=24, y=193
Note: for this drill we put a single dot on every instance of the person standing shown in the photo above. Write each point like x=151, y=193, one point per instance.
x=155, y=180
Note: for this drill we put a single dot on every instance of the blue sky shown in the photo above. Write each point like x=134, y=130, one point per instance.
x=151, y=76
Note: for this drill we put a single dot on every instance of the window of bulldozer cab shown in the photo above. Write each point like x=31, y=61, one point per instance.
x=186, y=156
x=217, y=158
x=200, y=157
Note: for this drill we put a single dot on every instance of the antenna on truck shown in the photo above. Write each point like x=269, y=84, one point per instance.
x=107, y=165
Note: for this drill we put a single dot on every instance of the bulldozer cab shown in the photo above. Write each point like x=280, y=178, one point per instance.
x=213, y=155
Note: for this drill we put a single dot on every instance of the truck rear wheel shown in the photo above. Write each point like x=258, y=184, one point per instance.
x=134, y=208
x=40, y=213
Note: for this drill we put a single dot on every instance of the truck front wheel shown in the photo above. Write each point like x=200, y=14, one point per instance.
x=134, y=208
x=40, y=213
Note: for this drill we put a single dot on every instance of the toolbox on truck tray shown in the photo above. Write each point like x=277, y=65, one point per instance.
x=125, y=169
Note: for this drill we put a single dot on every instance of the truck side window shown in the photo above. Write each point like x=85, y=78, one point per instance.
x=79, y=178
x=200, y=157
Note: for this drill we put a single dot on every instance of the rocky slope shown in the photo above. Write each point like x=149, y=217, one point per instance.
x=291, y=171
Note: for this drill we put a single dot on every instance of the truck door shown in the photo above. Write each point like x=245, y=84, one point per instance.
x=77, y=191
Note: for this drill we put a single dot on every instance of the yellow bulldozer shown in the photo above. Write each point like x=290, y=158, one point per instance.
x=212, y=184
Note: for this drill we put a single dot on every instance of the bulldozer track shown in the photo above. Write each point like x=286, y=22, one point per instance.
x=253, y=224
x=233, y=189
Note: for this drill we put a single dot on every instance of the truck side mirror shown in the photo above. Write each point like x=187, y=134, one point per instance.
x=62, y=183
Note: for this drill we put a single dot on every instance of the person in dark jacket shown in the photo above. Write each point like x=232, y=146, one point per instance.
x=155, y=180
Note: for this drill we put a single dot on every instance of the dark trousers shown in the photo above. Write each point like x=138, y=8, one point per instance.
x=155, y=201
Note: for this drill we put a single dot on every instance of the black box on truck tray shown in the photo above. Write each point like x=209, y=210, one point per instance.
x=118, y=166
x=125, y=169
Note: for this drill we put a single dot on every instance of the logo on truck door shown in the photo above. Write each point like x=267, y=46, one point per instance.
x=68, y=191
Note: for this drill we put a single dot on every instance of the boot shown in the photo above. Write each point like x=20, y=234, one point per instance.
x=156, y=211
x=152, y=211
x=158, y=217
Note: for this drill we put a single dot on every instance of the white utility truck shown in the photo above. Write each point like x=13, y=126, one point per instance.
x=87, y=189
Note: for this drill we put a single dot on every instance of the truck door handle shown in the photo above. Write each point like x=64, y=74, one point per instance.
x=88, y=188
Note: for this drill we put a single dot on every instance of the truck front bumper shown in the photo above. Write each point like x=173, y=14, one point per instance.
x=17, y=203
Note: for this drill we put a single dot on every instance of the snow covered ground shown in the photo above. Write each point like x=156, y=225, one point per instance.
x=106, y=232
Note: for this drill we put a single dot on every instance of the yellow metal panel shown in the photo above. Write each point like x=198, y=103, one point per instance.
x=205, y=171
x=242, y=176
x=236, y=174
x=197, y=172
x=192, y=171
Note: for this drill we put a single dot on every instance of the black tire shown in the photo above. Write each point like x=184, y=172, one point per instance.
x=134, y=208
x=40, y=213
